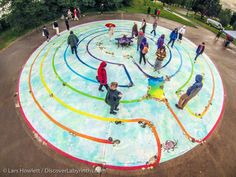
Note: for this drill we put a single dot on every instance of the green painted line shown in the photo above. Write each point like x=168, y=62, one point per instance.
x=80, y=92
x=191, y=74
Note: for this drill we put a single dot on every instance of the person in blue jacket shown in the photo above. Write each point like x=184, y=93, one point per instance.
x=191, y=92
x=199, y=51
x=173, y=37
x=143, y=50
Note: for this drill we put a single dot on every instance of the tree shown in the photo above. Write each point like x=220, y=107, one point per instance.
x=225, y=17
x=207, y=7
x=233, y=19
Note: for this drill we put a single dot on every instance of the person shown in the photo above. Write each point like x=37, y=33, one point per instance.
x=56, y=27
x=161, y=55
x=135, y=30
x=69, y=14
x=67, y=24
x=143, y=50
x=148, y=10
x=160, y=41
x=144, y=24
x=155, y=12
x=72, y=41
x=218, y=34
x=173, y=37
x=46, y=33
x=102, y=76
x=228, y=40
x=111, y=32
x=78, y=12
x=199, y=51
x=154, y=27
x=158, y=13
x=140, y=38
x=102, y=8
x=182, y=31
x=75, y=14
x=191, y=92
x=113, y=97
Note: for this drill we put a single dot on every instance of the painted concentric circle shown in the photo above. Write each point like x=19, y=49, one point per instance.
x=59, y=98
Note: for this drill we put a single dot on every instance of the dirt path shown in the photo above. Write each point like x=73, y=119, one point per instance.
x=19, y=149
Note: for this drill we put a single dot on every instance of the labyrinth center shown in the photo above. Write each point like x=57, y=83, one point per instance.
x=59, y=98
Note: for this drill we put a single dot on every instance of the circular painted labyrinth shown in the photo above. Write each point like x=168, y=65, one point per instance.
x=59, y=98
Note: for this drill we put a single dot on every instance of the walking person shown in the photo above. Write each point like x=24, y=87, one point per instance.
x=161, y=55
x=191, y=92
x=148, y=11
x=154, y=27
x=158, y=13
x=56, y=27
x=199, y=51
x=111, y=32
x=102, y=8
x=69, y=14
x=219, y=34
x=135, y=30
x=155, y=12
x=72, y=41
x=140, y=38
x=75, y=14
x=182, y=31
x=173, y=37
x=144, y=25
x=67, y=24
x=160, y=41
x=46, y=33
x=102, y=76
x=113, y=97
x=143, y=50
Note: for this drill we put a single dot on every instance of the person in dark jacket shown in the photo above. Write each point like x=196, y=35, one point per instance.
x=113, y=97
x=191, y=92
x=144, y=25
x=143, y=50
x=46, y=33
x=161, y=41
x=56, y=27
x=135, y=30
x=148, y=11
x=67, y=24
x=72, y=41
x=199, y=51
x=173, y=37
x=102, y=76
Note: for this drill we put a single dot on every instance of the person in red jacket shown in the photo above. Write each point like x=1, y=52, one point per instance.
x=102, y=76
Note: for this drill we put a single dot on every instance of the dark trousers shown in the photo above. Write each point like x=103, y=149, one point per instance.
x=114, y=107
x=197, y=55
x=173, y=42
x=100, y=87
x=180, y=36
x=142, y=56
x=154, y=32
x=68, y=27
x=73, y=49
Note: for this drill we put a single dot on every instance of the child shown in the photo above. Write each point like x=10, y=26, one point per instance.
x=161, y=54
x=113, y=97
x=181, y=33
x=191, y=92
x=102, y=76
x=135, y=30
x=160, y=41
x=154, y=27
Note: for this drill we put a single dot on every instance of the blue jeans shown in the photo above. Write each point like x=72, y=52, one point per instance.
x=173, y=42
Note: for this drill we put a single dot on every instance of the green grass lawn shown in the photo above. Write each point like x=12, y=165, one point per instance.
x=140, y=6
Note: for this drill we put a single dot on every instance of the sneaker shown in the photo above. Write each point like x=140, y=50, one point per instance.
x=101, y=90
x=117, y=109
x=177, y=106
x=113, y=112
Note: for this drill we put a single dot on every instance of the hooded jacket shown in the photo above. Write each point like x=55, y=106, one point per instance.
x=143, y=43
x=112, y=97
x=196, y=87
x=174, y=35
x=72, y=40
x=200, y=49
x=102, y=74
x=160, y=41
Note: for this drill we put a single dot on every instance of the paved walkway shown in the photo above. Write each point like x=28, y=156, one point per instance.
x=19, y=148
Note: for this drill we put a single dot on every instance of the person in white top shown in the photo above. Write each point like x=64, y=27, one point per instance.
x=182, y=31
x=111, y=32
